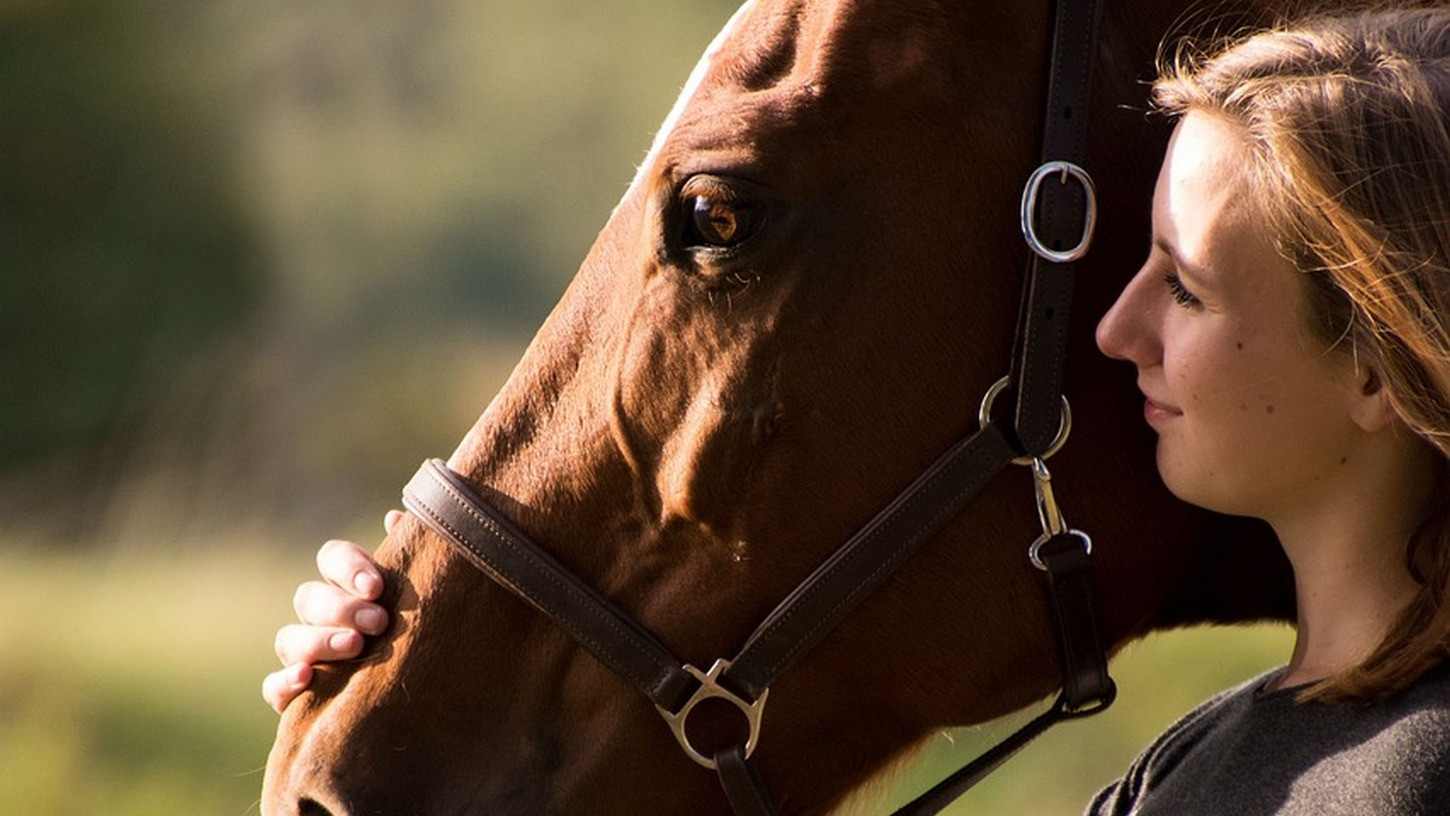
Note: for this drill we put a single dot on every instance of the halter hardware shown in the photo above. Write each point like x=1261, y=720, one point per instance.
x=1064, y=422
x=1053, y=522
x=710, y=689
x=1028, y=216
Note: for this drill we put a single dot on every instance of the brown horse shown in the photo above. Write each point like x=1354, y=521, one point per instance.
x=794, y=309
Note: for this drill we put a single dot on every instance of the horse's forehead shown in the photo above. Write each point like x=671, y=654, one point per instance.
x=779, y=63
x=783, y=64
x=828, y=45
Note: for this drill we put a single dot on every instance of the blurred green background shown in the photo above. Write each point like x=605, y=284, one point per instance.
x=229, y=233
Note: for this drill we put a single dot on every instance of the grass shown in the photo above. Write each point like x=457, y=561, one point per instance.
x=129, y=681
x=129, y=687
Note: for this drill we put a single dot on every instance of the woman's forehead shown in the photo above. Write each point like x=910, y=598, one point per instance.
x=1208, y=161
x=1204, y=187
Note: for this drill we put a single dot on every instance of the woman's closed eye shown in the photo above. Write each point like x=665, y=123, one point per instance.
x=1180, y=293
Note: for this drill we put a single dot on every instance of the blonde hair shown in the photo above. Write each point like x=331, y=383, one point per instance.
x=1349, y=118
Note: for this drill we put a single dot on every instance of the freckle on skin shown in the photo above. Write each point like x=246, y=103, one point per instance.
x=1343, y=460
x=1240, y=345
x=1269, y=409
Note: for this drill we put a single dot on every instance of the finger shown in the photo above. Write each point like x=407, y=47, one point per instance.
x=282, y=686
x=296, y=643
x=348, y=566
x=319, y=604
x=391, y=520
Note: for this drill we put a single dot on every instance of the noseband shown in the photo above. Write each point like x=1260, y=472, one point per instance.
x=1052, y=217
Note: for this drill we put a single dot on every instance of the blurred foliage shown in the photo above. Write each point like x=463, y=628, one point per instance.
x=257, y=259
x=140, y=699
x=121, y=250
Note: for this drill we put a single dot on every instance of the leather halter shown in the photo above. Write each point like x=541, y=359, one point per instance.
x=1053, y=217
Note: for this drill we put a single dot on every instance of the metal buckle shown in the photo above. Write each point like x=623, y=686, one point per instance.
x=711, y=688
x=1028, y=215
x=1064, y=425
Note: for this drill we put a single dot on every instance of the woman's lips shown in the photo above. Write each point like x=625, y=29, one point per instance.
x=1156, y=412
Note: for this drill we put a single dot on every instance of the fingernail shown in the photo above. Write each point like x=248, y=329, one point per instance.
x=369, y=620
x=367, y=584
x=342, y=642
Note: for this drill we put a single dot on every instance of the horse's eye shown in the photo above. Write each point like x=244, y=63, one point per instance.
x=715, y=214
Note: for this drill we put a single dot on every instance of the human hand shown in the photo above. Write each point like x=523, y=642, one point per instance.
x=334, y=614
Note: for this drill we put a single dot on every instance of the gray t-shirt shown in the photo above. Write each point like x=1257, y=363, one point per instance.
x=1251, y=751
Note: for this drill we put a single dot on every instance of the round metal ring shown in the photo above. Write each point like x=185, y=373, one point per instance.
x=1064, y=426
x=1035, y=551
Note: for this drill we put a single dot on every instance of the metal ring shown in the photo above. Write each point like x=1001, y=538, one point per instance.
x=711, y=688
x=1028, y=215
x=1064, y=426
x=1035, y=551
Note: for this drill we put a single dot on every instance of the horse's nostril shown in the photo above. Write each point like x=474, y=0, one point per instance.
x=307, y=807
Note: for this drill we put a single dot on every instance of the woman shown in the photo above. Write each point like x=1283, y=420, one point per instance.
x=1291, y=332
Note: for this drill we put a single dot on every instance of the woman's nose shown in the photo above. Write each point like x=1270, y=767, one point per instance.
x=1128, y=330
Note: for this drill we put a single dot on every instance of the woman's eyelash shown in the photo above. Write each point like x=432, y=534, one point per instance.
x=1180, y=294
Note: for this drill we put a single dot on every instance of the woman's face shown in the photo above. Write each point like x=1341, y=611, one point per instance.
x=1252, y=413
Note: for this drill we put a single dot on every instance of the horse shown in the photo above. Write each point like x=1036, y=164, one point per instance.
x=795, y=308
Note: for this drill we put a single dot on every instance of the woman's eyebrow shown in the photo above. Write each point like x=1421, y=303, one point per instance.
x=1193, y=272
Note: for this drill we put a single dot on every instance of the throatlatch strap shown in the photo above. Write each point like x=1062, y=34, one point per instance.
x=951, y=789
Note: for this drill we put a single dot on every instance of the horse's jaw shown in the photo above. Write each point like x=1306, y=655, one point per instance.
x=449, y=718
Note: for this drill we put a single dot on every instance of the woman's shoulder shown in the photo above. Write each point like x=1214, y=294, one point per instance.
x=1405, y=734
x=1179, y=741
x=1260, y=748
x=1393, y=756
x=1418, y=719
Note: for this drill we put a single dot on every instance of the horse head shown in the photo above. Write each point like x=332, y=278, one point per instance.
x=794, y=309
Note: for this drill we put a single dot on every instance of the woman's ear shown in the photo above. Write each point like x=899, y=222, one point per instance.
x=1370, y=404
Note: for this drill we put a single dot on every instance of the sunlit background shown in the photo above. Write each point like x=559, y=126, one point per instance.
x=258, y=259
